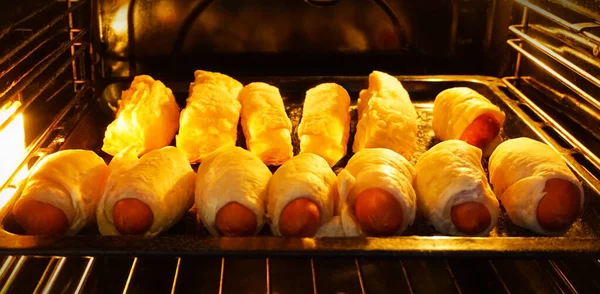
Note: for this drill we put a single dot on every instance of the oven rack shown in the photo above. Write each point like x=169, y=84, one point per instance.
x=103, y=274
x=586, y=42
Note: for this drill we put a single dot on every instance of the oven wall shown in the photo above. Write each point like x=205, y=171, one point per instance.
x=268, y=37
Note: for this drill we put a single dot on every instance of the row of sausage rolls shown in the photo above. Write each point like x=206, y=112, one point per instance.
x=372, y=196
x=148, y=117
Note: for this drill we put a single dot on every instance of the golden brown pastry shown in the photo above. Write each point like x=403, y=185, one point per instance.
x=147, y=117
x=61, y=193
x=325, y=124
x=210, y=118
x=387, y=118
x=266, y=126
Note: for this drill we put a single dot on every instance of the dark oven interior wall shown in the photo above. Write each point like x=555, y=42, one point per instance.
x=170, y=39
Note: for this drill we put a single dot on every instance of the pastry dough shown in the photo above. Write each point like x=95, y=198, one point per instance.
x=162, y=178
x=387, y=118
x=70, y=180
x=306, y=175
x=211, y=116
x=521, y=167
x=266, y=126
x=455, y=109
x=376, y=168
x=325, y=124
x=448, y=174
x=148, y=117
x=231, y=174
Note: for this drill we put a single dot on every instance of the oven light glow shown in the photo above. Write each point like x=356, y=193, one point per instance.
x=12, y=146
x=119, y=23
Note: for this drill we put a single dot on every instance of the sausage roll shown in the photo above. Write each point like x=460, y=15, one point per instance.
x=61, y=193
x=211, y=116
x=535, y=186
x=266, y=126
x=325, y=124
x=231, y=190
x=387, y=118
x=147, y=117
x=146, y=195
x=462, y=113
x=302, y=196
x=453, y=191
x=376, y=193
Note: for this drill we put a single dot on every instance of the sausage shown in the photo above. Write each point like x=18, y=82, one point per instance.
x=132, y=216
x=40, y=218
x=378, y=213
x=235, y=220
x=470, y=218
x=481, y=131
x=300, y=218
x=560, y=207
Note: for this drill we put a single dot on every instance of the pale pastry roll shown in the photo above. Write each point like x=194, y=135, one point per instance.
x=462, y=113
x=325, y=124
x=387, y=118
x=302, y=196
x=147, y=117
x=376, y=193
x=61, y=193
x=146, y=195
x=210, y=118
x=535, y=186
x=382, y=86
x=453, y=192
x=231, y=191
x=266, y=126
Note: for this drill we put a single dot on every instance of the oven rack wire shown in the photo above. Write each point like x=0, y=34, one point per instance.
x=225, y=275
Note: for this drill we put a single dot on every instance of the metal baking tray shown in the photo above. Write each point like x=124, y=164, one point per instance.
x=420, y=240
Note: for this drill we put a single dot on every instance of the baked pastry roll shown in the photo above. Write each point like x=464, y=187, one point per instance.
x=462, y=113
x=147, y=117
x=210, y=118
x=146, y=195
x=325, y=124
x=231, y=191
x=376, y=193
x=535, y=186
x=61, y=193
x=302, y=196
x=266, y=126
x=387, y=118
x=453, y=191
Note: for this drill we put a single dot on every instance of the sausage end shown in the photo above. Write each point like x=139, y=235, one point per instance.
x=378, y=213
x=481, y=131
x=470, y=218
x=39, y=218
x=300, y=218
x=235, y=220
x=132, y=216
x=560, y=207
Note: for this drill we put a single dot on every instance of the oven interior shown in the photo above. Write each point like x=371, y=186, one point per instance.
x=63, y=63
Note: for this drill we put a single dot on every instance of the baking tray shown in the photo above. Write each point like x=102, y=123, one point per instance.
x=189, y=238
